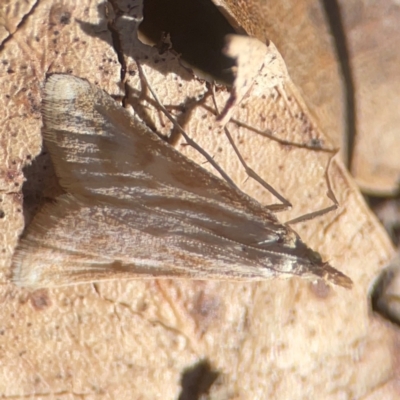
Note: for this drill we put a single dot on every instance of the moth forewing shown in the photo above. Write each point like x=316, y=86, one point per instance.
x=135, y=207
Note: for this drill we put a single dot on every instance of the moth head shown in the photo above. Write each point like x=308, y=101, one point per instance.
x=314, y=256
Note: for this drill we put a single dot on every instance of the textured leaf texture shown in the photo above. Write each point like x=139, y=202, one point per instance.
x=182, y=339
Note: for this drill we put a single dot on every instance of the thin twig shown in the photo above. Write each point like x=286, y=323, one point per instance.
x=189, y=141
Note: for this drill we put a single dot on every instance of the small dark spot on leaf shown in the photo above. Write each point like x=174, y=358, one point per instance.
x=2, y=214
x=316, y=143
x=65, y=18
x=10, y=71
x=40, y=299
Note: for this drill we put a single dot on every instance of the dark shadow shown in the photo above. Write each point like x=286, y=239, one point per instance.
x=334, y=17
x=387, y=209
x=41, y=185
x=183, y=115
x=196, y=30
x=197, y=380
x=384, y=297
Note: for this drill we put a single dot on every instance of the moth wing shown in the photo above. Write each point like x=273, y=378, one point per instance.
x=70, y=242
x=137, y=207
x=102, y=152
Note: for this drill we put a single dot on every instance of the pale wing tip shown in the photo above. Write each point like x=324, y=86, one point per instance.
x=24, y=275
x=64, y=87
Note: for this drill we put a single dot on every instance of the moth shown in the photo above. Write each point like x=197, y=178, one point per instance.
x=135, y=207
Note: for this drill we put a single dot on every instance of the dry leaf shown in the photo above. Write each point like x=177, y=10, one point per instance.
x=373, y=33
x=244, y=16
x=140, y=339
x=256, y=64
x=300, y=32
x=364, y=102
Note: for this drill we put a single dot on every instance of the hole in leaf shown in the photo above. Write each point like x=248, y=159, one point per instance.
x=197, y=380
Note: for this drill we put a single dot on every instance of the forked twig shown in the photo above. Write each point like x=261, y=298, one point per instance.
x=267, y=133
x=319, y=213
x=252, y=174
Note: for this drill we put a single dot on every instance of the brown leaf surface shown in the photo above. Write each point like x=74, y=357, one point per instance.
x=276, y=339
x=302, y=34
x=373, y=34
